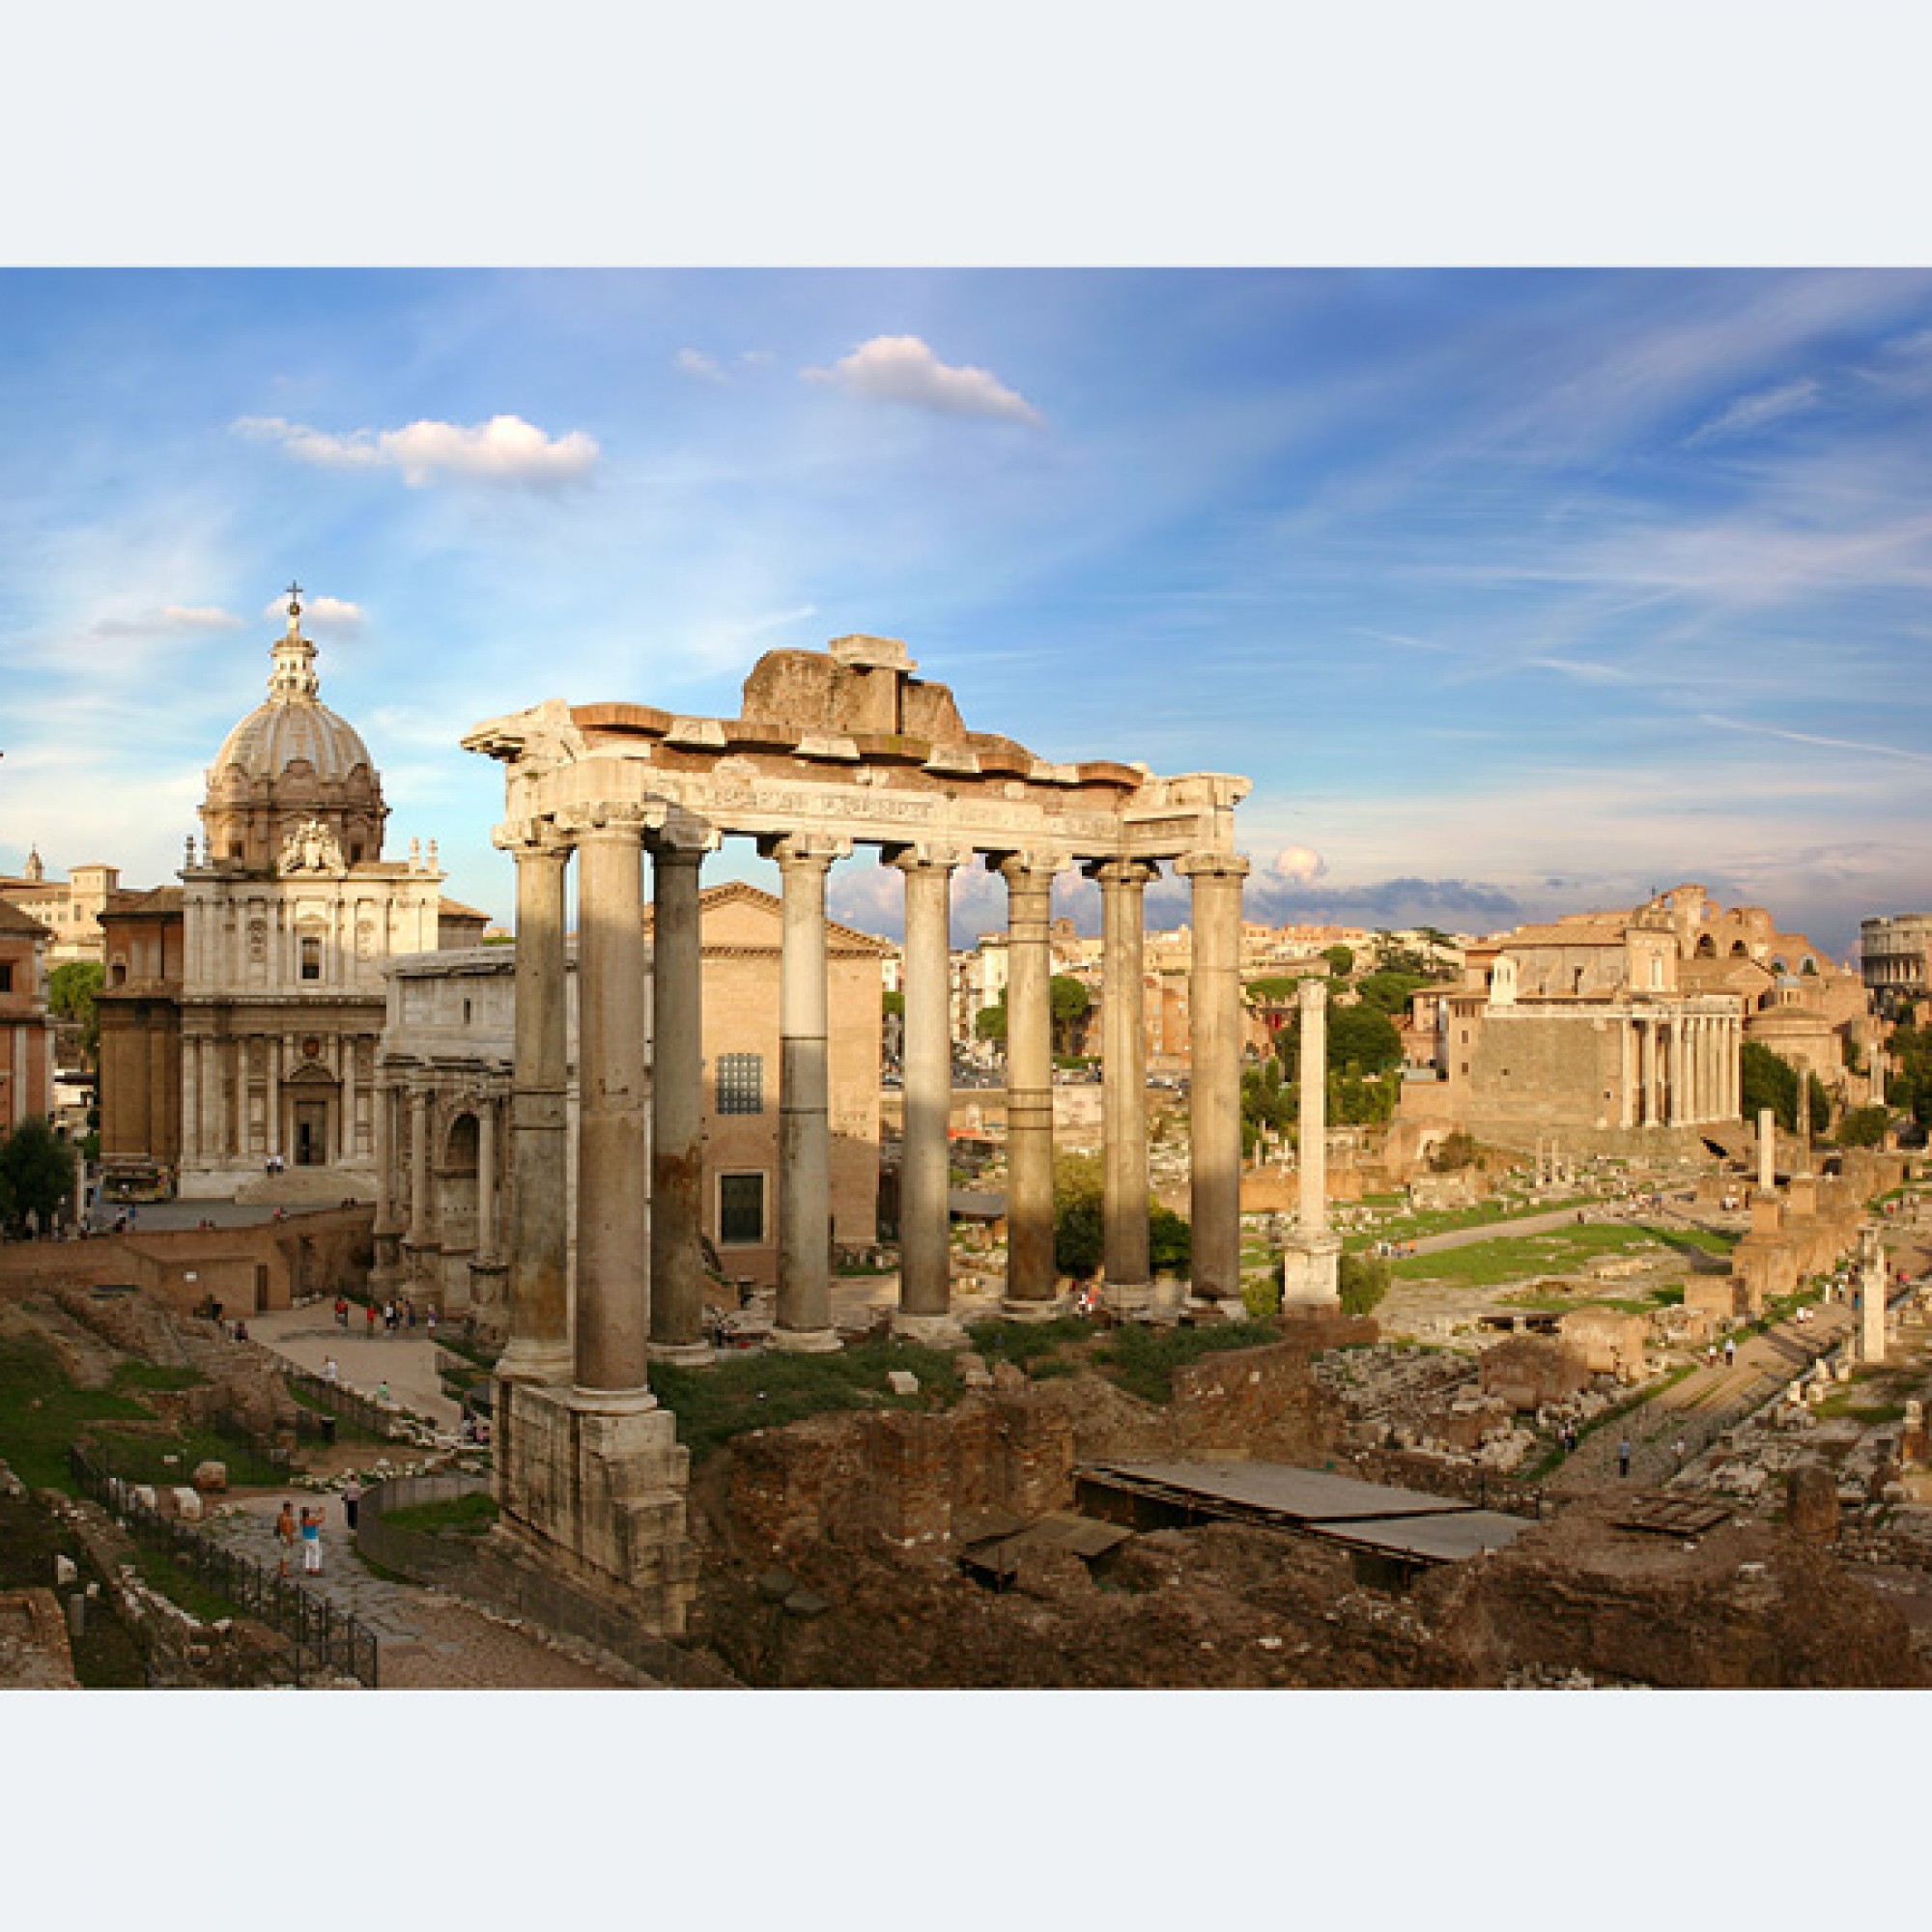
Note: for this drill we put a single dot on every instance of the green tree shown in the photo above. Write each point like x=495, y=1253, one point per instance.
x=1079, y=1223
x=1767, y=1079
x=38, y=1170
x=990, y=1022
x=1389, y=992
x=1863, y=1126
x=1362, y=1039
x=892, y=1004
x=1363, y=1280
x=71, y=990
x=1341, y=962
x=1071, y=1004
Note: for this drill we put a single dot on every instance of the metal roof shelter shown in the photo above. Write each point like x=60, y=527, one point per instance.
x=1410, y=1528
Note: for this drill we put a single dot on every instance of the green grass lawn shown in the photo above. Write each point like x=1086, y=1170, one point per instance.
x=42, y=1413
x=1446, y=1220
x=455, y=1515
x=1560, y=1251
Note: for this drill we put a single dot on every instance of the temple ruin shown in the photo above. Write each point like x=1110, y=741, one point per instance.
x=832, y=751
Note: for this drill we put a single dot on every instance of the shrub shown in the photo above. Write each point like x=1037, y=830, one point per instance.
x=1363, y=1281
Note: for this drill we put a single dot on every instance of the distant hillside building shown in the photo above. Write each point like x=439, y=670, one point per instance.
x=242, y=1010
x=1893, y=955
x=70, y=910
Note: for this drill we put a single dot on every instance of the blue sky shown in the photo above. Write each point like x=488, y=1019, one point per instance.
x=1515, y=592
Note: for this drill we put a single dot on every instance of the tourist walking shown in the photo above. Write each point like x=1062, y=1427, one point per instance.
x=329, y=1372
x=351, y=1495
x=285, y=1536
x=1730, y=1352
x=370, y=1311
x=342, y=1311
x=1624, y=1457
x=311, y=1542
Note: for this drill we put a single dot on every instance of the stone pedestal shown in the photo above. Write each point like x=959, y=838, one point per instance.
x=599, y=1492
x=1309, y=1267
x=931, y=1332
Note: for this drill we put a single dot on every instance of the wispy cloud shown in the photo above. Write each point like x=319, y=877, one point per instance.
x=902, y=369
x=1757, y=410
x=505, y=449
x=697, y=363
x=325, y=613
x=178, y=618
x=1815, y=738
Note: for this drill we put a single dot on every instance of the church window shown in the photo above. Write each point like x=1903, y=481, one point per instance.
x=741, y=1209
x=741, y=1083
x=311, y=959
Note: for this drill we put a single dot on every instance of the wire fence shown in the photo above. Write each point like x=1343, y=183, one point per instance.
x=323, y=1642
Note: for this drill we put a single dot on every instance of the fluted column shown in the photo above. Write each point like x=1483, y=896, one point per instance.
x=1314, y=1084
x=418, y=1233
x=1030, y=1269
x=613, y=1183
x=486, y=1177
x=1129, y=1288
x=677, y=1104
x=1214, y=998
x=804, y=1137
x=1647, y=1048
x=275, y=1122
x=539, y=1349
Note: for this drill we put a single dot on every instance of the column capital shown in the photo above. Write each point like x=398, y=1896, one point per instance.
x=1030, y=868
x=1122, y=871
x=610, y=818
x=1213, y=866
x=811, y=849
x=683, y=838
x=530, y=838
x=925, y=858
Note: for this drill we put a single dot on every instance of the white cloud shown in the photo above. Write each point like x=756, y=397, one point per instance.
x=1757, y=410
x=505, y=449
x=696, y=362
x=335, y=612
x=170, y=617
x=1297, y=866
x=904, y=369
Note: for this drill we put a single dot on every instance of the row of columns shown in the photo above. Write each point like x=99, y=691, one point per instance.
x=1681, y=1069
x=625, y=1317
x=417, y=1136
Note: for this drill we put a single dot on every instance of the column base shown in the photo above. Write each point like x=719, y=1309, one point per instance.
x=931, y=1332
x=547, y=1364
x=805, y=1341
x=1129, y=1301
x=686, y=1354
x=616, y=1404
x=1309, y=1267
x=598, y=1496
x=1035, y=1311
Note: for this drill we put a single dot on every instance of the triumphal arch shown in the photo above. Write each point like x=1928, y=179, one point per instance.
x=832, y=751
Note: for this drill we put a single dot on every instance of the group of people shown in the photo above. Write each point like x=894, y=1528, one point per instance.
x=394, y=1316
x=1393, y=1251
x=303, y=1531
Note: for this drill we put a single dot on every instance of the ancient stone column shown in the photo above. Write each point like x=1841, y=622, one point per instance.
x=804, y=1136
x=539, y=1349
x=1647, y=1055
x=275, y=1109
x=677, y=1104
x=1311, y=1258
x=1129, y=1286
x=193, y=1074
x=486, y=1177
x=614, y=1290
x=386, y=1153
x=346, y=1129
x=1214, y=1000
x=1030, y=1269
x=418, y=1233
x=926, y=1253
x=1872, y=1295
x=1767, y=1149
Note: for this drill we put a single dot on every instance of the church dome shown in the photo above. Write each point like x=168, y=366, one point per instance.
x=291, y=761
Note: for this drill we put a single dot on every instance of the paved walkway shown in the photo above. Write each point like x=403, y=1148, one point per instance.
x=429, y=1641
x=406, y=1361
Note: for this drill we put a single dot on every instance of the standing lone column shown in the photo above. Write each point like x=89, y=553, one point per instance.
x=677, y=1107
x=1767, y=1149
x=1214, y=997
x=1311, y=1259
x=1129, y=1289
x=925, y=1257
x=539, y=1316
x=1030, y=1269
x=804, y=1137
x=614, y=1290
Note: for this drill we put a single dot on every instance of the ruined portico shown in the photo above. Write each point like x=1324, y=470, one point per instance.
x=833, y=751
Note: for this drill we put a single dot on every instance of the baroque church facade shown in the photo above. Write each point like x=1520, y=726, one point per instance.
x=249, y=1044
